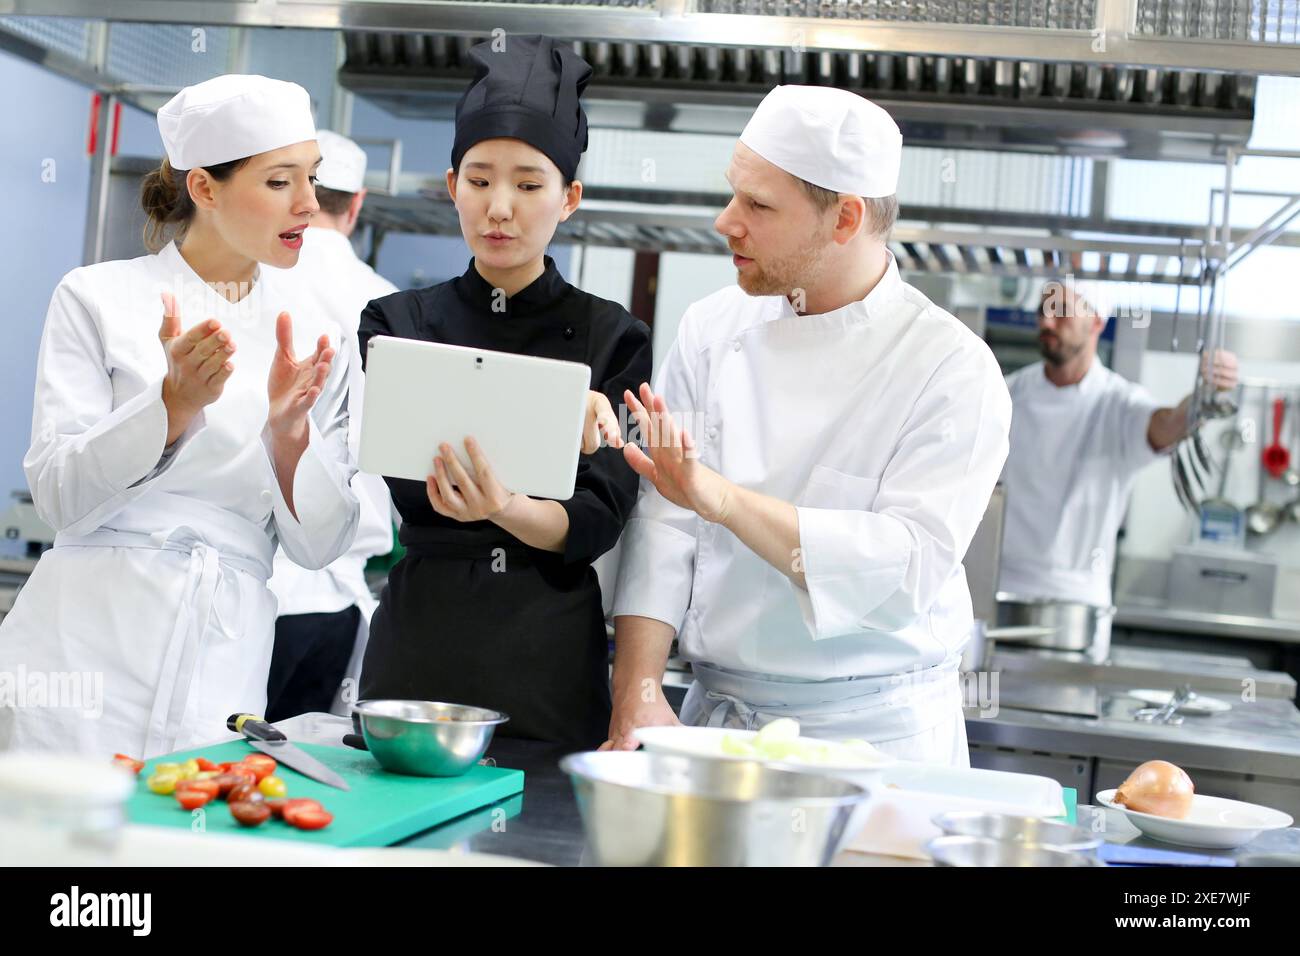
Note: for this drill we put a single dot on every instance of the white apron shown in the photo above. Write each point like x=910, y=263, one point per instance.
x=909, y=716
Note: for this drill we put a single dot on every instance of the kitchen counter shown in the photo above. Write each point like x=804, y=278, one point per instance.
x=1151, y=615
x=543, y=824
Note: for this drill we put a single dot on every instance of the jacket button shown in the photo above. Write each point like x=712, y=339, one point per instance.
x=568, y=332
x=267, y=496
x=735, y=345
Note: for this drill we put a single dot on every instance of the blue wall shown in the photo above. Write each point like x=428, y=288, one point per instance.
x=43, y=234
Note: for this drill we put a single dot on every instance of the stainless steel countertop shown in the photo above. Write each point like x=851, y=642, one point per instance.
x=1158, y=616
x=543, y=823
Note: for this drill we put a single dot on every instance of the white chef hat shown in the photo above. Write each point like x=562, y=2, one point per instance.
x=831, y=138
x=231, y=117
x=343, y=163
x=1101, y=296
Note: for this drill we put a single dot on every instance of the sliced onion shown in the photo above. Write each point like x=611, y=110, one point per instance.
x=1159, y=788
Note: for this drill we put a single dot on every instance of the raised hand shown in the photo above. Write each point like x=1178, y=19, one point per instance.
x=198, y=366
x=293, y=385
x=670, y=461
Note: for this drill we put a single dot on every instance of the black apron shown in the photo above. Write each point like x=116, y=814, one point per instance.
x=481, y=623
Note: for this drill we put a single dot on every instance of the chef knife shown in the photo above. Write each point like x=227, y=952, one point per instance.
x=269, y=740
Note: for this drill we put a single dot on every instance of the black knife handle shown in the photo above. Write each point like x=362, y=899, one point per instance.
x=253, y=726
x=356, y=741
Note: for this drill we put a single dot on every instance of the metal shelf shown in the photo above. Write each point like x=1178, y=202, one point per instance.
x=1000, y=245
x=1112, y=35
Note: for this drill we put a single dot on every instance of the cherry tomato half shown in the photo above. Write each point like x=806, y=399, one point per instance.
x=250, y=814
x=260, y=765
x=209, y=787
x=192, y=799
x=307, y=818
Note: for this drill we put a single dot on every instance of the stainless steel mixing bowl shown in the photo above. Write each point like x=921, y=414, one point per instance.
x=651, y=809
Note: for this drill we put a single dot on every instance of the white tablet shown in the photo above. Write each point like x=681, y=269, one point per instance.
x=526, y=413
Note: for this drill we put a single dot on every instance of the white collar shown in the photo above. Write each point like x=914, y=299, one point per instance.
x=880, y=301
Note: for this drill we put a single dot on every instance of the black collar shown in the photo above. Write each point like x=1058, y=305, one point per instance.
x=542, y=292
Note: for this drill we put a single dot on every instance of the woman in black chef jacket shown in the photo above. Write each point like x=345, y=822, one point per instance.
x=495, y=603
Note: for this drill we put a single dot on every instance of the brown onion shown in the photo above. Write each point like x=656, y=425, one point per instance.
x=1159, y=788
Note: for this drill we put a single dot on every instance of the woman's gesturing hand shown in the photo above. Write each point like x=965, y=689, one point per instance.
x=292, y=385
x=198, y=366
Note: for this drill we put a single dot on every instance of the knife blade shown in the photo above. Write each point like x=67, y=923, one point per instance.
x=271, y=741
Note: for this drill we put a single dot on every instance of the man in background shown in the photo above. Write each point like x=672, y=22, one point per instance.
x=320, y=636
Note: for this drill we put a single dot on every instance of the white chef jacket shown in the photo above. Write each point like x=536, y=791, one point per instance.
x=339, y=285
x=885, y=423
x=155, y=590
x=1075, y=452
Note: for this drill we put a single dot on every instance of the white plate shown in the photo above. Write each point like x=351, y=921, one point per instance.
x=1197, y=705
x=1213, y=822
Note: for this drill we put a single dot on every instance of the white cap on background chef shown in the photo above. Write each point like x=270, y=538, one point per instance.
x=822, y=442
x=1079, y=436
x=325, y=615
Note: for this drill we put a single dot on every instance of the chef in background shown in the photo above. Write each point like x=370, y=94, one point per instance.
x=824, y=442
x=320, y=635
x=1080, y=434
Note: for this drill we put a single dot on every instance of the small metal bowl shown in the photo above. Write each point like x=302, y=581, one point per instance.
x=1017, y=829
x=426, y=738
x=982, y=851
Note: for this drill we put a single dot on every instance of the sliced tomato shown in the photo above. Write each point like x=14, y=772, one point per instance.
x=250, y=814
x=129, y=763
x=193, y=799
x=308, y=818
x=260, y=765
x=209, y=787
x=276, y=806
x=206, y=764
x=300, y=802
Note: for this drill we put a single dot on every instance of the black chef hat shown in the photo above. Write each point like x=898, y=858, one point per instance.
x=526, y=89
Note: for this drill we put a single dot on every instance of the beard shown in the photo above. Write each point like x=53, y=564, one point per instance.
x=1061, y=353
x=782, y=275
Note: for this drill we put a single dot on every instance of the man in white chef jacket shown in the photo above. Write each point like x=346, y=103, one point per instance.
x=822, y=443
x=1079, y=436
x=320, y=635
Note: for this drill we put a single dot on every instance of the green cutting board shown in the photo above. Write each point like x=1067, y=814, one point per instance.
x=380, y=809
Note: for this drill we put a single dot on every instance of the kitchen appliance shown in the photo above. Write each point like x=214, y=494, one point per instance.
x=1222, y=581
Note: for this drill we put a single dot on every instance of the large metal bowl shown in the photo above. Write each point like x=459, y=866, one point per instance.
x=426, y=738
x=649, y=809
x=982, y=851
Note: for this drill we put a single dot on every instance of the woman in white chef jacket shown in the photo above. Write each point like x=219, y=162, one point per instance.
x=176, y=438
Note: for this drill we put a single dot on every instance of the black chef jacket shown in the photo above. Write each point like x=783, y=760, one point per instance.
x=471, y=615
